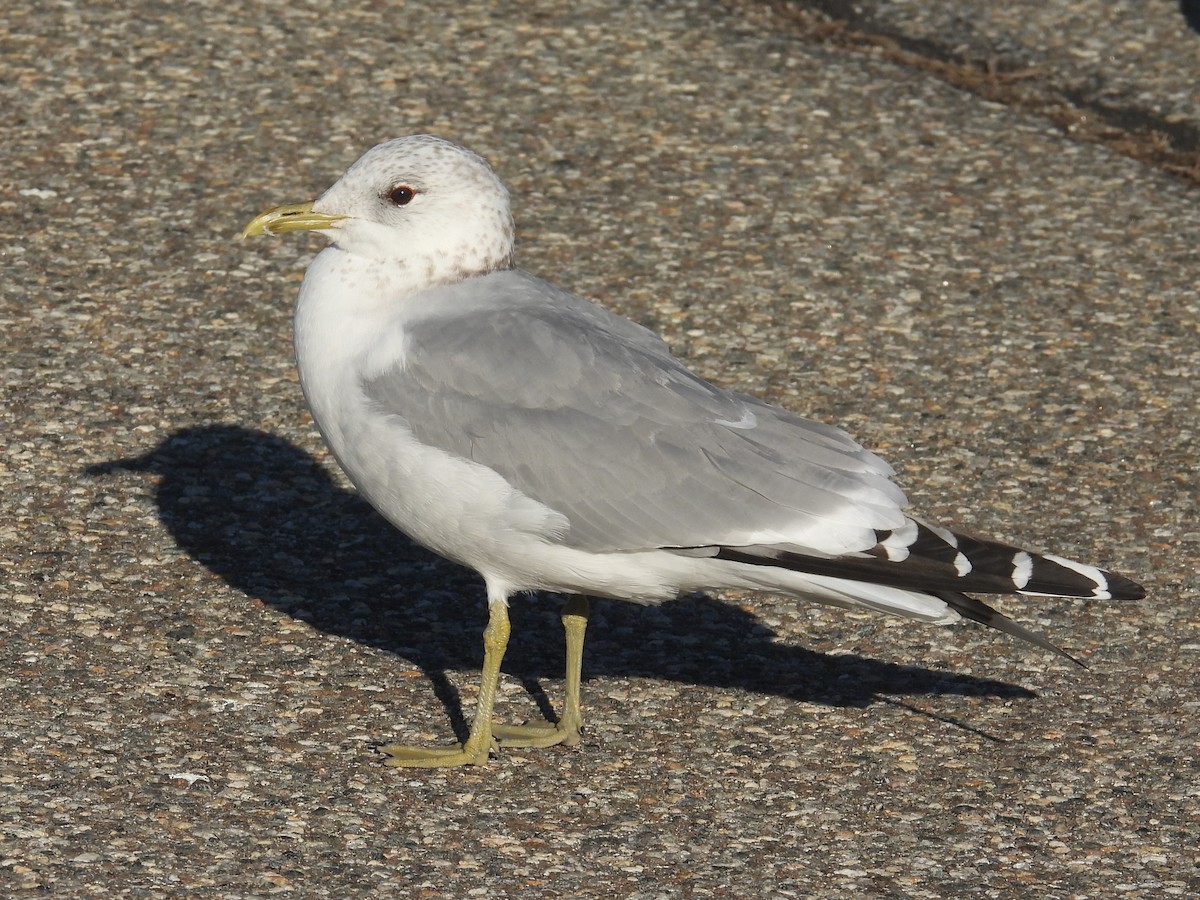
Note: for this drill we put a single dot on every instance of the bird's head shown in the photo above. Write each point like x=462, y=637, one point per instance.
x=421, y=201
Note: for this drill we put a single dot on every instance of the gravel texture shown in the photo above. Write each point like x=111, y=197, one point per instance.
x=205, y=633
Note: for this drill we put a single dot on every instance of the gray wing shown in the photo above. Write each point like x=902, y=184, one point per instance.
x=590, y=415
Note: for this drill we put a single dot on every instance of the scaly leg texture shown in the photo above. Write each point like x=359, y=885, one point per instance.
x=566, y=732
x=484, y=735
x=473, y=751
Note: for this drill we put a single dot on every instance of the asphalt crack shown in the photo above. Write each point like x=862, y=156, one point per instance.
x=1083, y=109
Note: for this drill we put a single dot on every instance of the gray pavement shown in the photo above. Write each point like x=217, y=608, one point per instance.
x=205, y=632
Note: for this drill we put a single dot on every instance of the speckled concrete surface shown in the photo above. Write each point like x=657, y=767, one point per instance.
x=205, y=632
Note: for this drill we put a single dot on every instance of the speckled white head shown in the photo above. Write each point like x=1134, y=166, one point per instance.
x=425, y=203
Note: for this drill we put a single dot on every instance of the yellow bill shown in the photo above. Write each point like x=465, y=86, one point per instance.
x=293, y=217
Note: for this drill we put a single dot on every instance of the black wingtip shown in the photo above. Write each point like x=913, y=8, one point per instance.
x=978, y=611
x=1122, y=588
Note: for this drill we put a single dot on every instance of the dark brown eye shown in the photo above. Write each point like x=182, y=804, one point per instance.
x=401, y=195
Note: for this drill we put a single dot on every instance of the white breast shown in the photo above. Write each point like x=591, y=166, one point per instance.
x=460, y=509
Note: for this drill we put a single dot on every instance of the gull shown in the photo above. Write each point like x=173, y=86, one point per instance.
x=550, y=445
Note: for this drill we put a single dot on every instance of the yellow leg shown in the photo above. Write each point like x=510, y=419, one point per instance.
x=566, y=732
x=484, y=734
x=474, y=751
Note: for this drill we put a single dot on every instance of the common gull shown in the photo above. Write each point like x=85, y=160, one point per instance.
x=551, y=445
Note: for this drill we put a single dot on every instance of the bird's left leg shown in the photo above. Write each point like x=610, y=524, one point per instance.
x=474, y=750
x=566, y=732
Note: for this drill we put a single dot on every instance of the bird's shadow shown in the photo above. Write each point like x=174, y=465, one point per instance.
x=266, y=517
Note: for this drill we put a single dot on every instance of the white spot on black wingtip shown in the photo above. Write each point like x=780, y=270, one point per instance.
x=1100, y=591
x=962, y=565
x=899, y=540
x=944, y=533
x=1022, y=569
